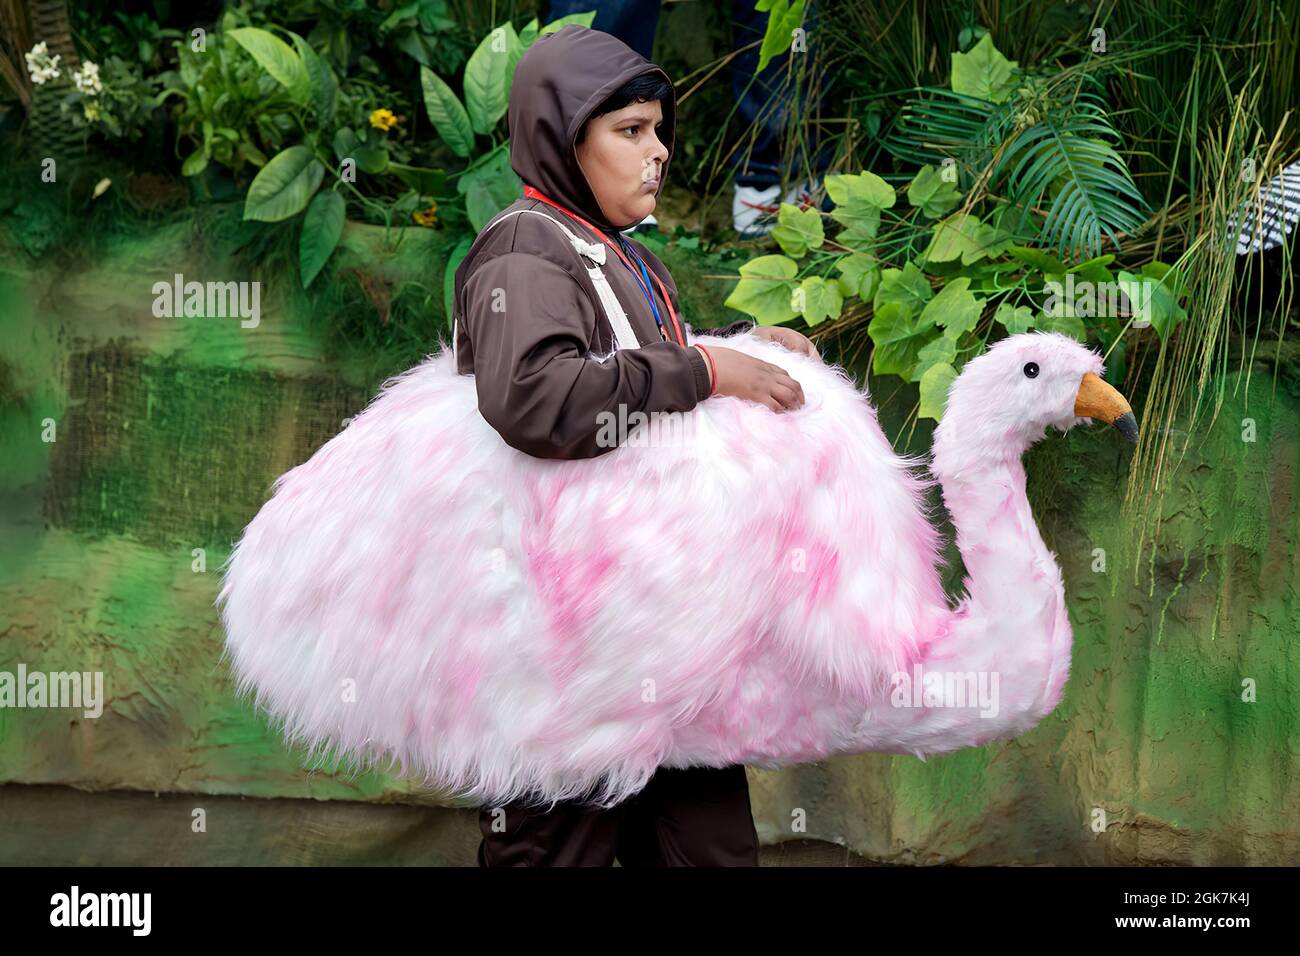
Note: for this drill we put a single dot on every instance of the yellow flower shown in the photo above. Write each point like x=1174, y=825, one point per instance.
x=383, y=119
x=426, y=217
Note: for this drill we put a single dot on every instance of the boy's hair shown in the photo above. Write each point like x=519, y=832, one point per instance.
x=639, y=89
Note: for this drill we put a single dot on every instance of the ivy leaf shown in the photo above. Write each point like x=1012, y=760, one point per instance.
x=957, y=237
x=932, y=194
x=1037, y=259
x=983, y=72
x=1066, y=324
x=934, y=390
x=906, y=287
x=1016, y=319
x=765, y=288
x=1151, y=299
x=955, y=309
x=858, y=201
x=819, y=300
x=941, y=350
x=859, y=275
x=993, y=241
x=798, y=230
x=897, y=343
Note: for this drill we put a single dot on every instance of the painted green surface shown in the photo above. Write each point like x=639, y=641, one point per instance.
x=170, y=432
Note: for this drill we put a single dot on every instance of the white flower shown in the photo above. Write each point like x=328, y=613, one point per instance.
x=87, y=79
x=41, y=66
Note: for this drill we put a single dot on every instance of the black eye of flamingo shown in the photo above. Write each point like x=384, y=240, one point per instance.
x=1031, y=370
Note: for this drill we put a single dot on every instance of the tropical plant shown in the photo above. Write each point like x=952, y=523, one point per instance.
x=931, y=284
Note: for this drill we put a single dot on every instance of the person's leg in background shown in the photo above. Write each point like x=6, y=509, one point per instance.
x=764, y=105
x=698, y=816
x=568, y=834
x=632, y=21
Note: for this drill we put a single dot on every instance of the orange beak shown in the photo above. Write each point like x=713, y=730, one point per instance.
x=1096, y=399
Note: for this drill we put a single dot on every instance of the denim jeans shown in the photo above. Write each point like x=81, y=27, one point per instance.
x=635, y=22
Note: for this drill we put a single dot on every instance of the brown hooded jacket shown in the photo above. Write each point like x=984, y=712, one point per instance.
x=530, y=325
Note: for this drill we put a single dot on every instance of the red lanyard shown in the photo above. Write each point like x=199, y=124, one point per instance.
x=531, y=193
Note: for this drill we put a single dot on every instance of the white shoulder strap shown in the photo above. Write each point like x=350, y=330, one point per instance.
x=594, y=252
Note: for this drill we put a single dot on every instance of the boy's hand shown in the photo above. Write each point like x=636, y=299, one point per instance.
x=794, y=341
x=753, y=379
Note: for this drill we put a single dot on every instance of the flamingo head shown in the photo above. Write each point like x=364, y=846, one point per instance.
x=1024, y=383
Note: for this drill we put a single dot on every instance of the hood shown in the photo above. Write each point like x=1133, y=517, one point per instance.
x=560, y=79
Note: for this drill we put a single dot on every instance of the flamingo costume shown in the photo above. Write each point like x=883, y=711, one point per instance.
x=743, y=587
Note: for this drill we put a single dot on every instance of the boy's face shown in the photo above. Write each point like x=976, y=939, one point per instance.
x=622, y=158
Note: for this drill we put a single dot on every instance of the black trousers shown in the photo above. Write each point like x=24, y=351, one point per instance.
x=699, y=816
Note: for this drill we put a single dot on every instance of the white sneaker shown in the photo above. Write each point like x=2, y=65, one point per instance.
x=802, y=194
x=754, y=211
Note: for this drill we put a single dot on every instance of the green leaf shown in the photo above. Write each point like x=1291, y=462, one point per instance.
x=935, y=384
x=820, y=300
x=960, y=236
x=345, y=143
x=582, y=19
x=449, y=277
x=322, y=228
x=371, y=159
x=765, y=288
x=324, y=87
x=1037, y=259
x=487, y=79
x=489, y=185
x=897, y=343
x=195, y=163
x=1152, y=301
x=983, y=72
x=1017, y=319
x=446, y=113
x=932, y=194
x=284, y=186
x=1067, y=324
x=906, y=288
x=858, y=202
x=782, y=21
x=941, y=350
x=278, y=59
x=861, y=276
x=798, y=230
x=427, y=182
x=529, y=33
x=955, y=309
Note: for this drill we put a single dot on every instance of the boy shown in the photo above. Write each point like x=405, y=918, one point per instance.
x=592, y=128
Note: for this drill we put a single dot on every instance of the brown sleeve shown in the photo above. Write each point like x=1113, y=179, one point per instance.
x=654, y=262
x=531, y=322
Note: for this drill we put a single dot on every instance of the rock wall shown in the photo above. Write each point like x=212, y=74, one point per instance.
x=169, y=431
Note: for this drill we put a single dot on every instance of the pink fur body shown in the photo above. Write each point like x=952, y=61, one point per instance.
x=507, y=626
